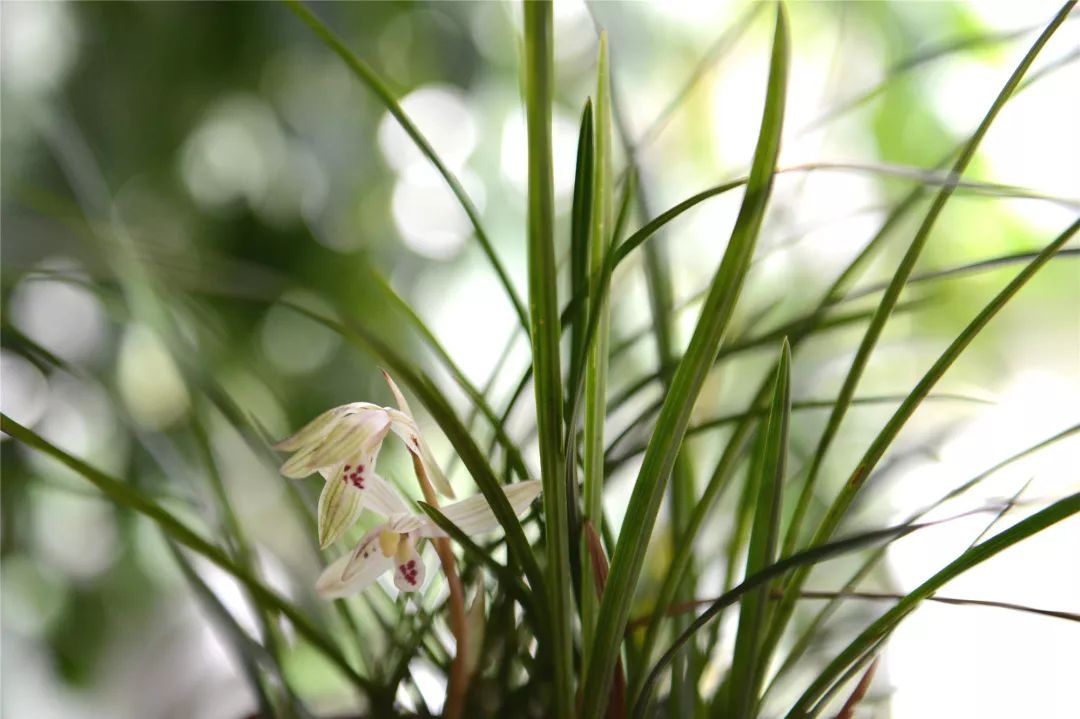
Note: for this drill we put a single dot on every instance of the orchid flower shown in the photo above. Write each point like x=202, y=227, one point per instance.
x=392, y=544
x=342, y=444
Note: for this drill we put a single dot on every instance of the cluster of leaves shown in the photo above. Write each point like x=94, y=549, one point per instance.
x=557, y=636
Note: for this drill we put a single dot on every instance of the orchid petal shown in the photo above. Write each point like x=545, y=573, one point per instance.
x=342, y=500
x=313, y=431
x=359, y=569
x=409, y=571
x=360, y=433
x=383, y=498
x=308, y=460
x=405, y=522
x=399, y=398
x=331, y=585
x=475, y=516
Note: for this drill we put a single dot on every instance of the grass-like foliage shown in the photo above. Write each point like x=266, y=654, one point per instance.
x=657, y=513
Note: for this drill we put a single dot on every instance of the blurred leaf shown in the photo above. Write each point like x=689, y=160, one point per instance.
x=873, y=333
x=381, y=90
x=1056, y=512
x=805, y=558
x=249, y=652
x=131, y=497
x=813, y=627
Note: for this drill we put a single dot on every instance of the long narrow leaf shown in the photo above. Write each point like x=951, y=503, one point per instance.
x=877, y=325
x=806, y=558
x=249, y=653
x=133, y=498
x=544, y=313
x=892, y=428
x=903, y=413
x=813, y=626
x=746, y=673
x=675, y=415
x=596, y=364
x=379, y=87
x=580, y=226
x=1056, y=512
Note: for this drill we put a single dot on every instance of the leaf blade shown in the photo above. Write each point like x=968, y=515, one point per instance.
x=748, y=663
x=645, y=501
x=371, y=79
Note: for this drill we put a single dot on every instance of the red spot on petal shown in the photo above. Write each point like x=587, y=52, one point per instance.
x=347, y=467
x=360, y=468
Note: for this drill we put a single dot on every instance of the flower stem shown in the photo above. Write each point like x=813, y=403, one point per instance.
x=459, y=677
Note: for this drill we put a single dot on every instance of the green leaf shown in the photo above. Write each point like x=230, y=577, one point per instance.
x=720, y=479
x=475, y=395
x=126, y=495
x=968, y=268
x=675, y=414
x=1056, y=512
x=806, y=558
x=747, y=668
x=379, y=87
x=877, y=325
x=919, y=59
x=658, y=279
x=720, y=46
x=736, y=444
x=544, y=313
x=914, y=399
x=234, y=533
x=580, y=225
x=800, y=405
x=812, y=628
x=596, y=364
x=814, y=321
x=249, y=653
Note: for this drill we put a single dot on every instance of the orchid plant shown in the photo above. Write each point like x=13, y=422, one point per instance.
x=609, y=599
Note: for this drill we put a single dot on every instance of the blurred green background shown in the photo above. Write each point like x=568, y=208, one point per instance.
x=172, y=172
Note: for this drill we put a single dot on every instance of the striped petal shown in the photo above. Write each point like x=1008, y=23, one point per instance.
x=342, y=499
x=359, y=433
x=332, y=584
x=474, y=515
x=359, y=569
x=313, y=431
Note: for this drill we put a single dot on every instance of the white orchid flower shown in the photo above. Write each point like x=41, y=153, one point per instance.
x=392, y=544
x=342, y=444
